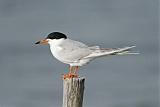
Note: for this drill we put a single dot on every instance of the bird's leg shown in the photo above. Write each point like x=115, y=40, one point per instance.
x=74, y=74
x=75, y=71
x=70, y=72
x=68, y=75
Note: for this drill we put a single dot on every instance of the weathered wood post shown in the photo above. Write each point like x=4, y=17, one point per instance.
x=73, y=91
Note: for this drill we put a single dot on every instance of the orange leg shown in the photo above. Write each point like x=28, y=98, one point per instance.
x=74, y=74
x=75, y=71
x=70, y=73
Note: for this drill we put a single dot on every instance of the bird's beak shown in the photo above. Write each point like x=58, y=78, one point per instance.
x=42, y=41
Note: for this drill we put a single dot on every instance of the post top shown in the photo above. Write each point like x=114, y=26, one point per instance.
x=76, y=77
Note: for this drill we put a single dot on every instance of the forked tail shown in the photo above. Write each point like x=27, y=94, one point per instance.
x=112, y=51
x=119, y=51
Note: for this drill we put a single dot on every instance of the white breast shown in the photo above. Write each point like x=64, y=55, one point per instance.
x=56, y=52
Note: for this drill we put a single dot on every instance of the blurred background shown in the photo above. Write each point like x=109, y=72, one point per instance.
x=31, y=77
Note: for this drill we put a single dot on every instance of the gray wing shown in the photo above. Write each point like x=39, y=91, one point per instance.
x=72, y=51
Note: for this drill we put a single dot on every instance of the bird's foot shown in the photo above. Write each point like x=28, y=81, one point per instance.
x=68, y=75
x=65, y=76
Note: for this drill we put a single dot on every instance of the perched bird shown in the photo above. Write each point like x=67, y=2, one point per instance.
x=76, y=53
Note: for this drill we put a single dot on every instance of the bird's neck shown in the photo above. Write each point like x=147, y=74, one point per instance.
x=55, y=42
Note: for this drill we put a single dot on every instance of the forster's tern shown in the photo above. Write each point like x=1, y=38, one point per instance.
x=76, y=53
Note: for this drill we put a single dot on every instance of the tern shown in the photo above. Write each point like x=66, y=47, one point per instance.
x=76, y=53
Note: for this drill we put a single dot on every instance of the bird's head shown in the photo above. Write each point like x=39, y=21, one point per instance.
x=52, y=37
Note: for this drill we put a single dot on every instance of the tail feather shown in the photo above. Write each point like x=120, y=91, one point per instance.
x=128, y=52
x=113, y=51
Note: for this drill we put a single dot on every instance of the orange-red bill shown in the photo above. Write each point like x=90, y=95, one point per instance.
x=42, y=41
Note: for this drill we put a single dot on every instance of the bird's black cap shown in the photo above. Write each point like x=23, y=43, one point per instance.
x=56, y=35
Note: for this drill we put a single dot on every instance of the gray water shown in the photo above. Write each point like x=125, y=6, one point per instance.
x=31, y=77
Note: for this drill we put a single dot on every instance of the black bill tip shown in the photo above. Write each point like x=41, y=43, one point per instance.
x=37, y=42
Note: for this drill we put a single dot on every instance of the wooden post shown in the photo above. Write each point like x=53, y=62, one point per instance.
x=73, y=91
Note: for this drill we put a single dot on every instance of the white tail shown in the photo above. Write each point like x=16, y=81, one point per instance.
x=112, y=51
